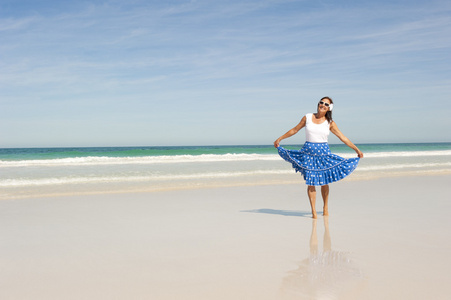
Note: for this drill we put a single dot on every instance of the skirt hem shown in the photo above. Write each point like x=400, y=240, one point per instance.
x=317, y=164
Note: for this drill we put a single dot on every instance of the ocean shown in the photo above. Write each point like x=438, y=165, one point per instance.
x=37, y=172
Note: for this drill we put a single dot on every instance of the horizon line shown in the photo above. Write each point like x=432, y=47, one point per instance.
x=212, y=145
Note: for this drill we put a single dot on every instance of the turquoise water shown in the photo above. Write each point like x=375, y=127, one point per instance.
x=8, y=154
x=33, y=172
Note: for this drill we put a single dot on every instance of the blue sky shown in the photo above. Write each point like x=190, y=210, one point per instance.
x=149, y=73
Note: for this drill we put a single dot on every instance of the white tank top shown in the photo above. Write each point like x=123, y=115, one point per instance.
x=316, y=133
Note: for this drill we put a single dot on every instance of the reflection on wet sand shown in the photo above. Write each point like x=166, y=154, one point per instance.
x=324, y=274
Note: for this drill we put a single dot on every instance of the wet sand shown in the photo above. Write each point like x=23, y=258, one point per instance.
x=384, y=239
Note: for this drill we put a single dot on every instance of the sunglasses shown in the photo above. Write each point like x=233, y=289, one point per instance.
x=324, y=103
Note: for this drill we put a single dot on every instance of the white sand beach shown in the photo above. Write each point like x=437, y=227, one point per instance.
x=385, y=239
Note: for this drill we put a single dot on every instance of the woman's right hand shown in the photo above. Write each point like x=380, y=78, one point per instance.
x=359, y=153
x=277, y=143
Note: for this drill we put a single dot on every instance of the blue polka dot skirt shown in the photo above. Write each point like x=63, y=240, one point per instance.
x=317, y=164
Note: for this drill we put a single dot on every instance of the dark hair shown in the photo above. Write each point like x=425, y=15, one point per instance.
x=329, y=113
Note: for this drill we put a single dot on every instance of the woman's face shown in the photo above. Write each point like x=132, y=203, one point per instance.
x=322, y=106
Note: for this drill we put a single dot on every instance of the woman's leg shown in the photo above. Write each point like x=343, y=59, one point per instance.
x=325, y=194
x=311, y=192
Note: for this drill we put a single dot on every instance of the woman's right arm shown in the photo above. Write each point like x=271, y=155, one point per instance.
x=291, y=132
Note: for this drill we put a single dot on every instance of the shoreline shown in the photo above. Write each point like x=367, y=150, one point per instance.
x=292, y=178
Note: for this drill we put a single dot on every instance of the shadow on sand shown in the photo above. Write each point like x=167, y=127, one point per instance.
x=288, y=213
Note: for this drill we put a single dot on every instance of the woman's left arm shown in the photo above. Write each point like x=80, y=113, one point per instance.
x=334, y=129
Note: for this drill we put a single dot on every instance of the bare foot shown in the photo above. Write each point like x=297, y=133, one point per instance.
x=314, y=216
x=325, y=211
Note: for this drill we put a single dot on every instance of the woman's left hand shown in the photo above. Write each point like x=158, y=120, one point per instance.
x=359, y=153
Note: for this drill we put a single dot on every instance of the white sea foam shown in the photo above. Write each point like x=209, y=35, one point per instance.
x=204, y=158
x=408, y=154
x=28, y=182
x=125, y=179
x=404, y=166
x=104, y=160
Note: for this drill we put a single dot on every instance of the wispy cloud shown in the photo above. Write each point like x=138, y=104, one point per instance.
x=206, y=37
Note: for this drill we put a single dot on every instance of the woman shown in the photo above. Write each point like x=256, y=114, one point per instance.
x=315, y=161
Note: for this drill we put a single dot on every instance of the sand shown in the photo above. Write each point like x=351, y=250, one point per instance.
x=385, y=239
